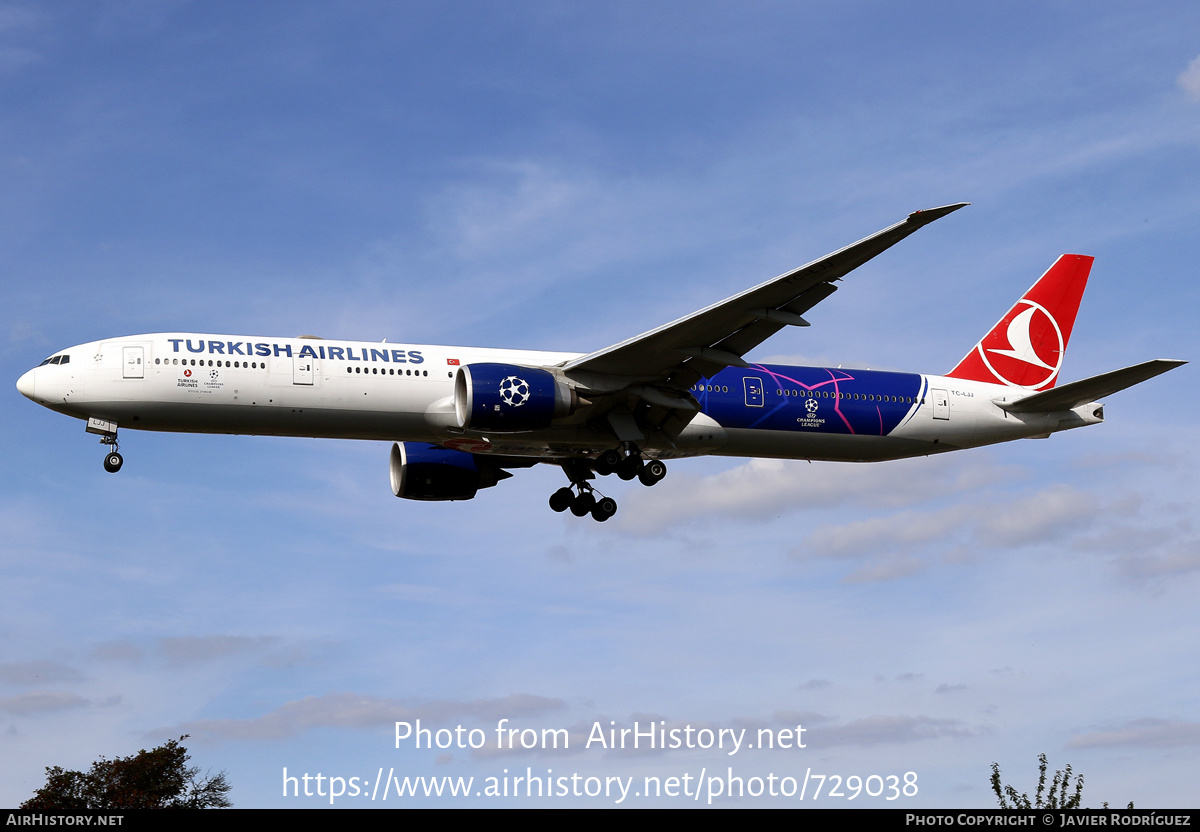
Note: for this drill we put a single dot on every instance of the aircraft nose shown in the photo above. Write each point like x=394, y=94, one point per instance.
x=27, y=384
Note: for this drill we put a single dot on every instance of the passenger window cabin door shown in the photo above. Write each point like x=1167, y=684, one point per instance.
x=302, y=370
x=132, y=364
x=754, y=391
x=941, y=404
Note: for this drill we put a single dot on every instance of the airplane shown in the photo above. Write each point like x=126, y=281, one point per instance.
x=462, y=418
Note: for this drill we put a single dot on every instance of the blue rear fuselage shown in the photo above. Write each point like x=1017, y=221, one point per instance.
x=810, y=399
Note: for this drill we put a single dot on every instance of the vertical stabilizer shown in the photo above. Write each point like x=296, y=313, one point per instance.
x=1027, y=346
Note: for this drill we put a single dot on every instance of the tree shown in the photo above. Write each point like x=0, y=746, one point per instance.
x=1056, y=798
x=156, y=779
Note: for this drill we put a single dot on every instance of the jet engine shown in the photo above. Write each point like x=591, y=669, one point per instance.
x=428, y=472
x=507, y=397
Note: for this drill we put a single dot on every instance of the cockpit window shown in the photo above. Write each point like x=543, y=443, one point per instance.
x=56, y=359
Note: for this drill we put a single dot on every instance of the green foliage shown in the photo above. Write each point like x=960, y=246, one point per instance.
x=1059, y=796
x=156, y=779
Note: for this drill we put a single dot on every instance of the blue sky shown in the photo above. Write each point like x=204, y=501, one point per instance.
x=562, y=177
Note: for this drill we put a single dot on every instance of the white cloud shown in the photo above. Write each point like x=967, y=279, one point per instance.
x=878, y=730
x=205, y=648
x=1189, y=80
x=123, y=651
x=1046, y=515
x=348, y=710
x=37, y=673
x=41, y=702
x=1143, y=733
x=815, y=684
x=1043, y=516
x=764, y=487
x=902, y=530
x=1179, y=560
x=887, y=570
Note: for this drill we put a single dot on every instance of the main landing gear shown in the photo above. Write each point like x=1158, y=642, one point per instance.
x=628, y=463
x=581, y=498
x=585, y=502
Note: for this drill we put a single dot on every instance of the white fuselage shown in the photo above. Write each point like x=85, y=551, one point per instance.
x=196, y=383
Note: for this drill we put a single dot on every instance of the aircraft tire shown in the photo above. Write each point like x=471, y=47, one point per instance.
x=605, y=508
x=582, y=504
x=652, y=472
x=630, y=467
x=561, y=499
x=113, y=462
x=608, y=462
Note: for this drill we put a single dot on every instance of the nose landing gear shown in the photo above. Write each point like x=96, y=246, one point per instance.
x=107, y=431
x=108, y=436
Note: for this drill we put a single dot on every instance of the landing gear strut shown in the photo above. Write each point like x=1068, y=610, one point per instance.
x=107, y=431
x=112, y=460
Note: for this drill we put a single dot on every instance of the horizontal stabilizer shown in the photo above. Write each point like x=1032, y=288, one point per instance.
x=1091, y=389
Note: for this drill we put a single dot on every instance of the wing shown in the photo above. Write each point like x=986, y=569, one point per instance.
x=664, y=362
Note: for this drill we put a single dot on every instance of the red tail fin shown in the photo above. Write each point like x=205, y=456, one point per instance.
x=1027, y=346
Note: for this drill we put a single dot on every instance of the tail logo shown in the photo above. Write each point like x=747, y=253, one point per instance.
x=1018, y=365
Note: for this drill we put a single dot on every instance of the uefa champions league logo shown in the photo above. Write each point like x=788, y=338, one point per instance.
x=811, y=405
x=515, y=391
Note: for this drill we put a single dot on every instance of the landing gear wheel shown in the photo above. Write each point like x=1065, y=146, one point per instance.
x=652, y=472
x=608, y=462
x=583, y=504
x=561, y=499
x=113, y=462
x=630, y=467
x=605, y=508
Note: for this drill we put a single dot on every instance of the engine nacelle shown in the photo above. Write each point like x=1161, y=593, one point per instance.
x=427, y=472
x=507, y=397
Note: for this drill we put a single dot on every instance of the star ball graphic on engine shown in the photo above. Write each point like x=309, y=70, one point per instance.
x=514, y=391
